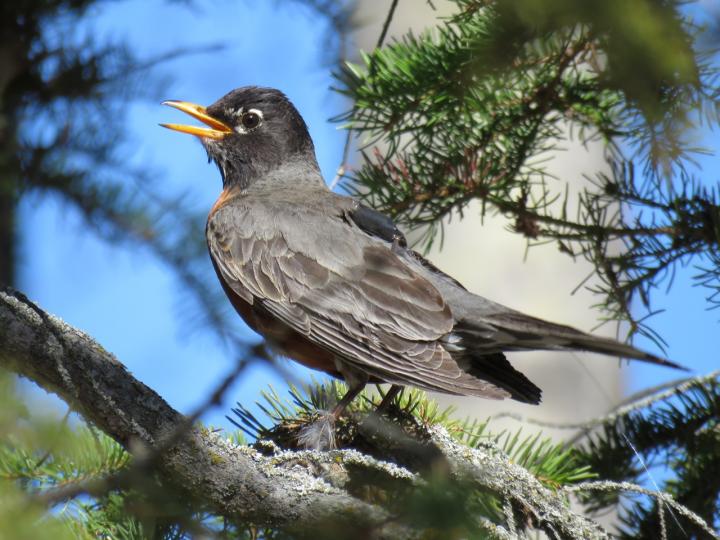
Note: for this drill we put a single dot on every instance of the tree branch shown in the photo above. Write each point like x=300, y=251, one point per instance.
x=302, y=492
x=237, y=482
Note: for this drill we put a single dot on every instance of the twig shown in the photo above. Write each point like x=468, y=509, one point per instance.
x=386, y=24
x=607, y=485
x=348, y=137
x=636, y=402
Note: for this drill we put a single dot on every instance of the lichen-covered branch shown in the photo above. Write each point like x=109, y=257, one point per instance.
x=234, y=481
x=346, y=492
x=490, y=468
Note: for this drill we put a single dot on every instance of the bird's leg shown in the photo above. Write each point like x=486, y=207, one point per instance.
x=388, y=398
x=351, y=394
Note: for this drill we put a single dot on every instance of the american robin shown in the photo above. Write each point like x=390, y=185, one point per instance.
x=331, y=283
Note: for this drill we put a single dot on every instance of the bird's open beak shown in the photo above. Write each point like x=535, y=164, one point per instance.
x=217, y=129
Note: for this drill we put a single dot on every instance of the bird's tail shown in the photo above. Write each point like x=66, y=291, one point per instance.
x=616, y=348
x=491, y=367
x=496, y=369
x=514, y=331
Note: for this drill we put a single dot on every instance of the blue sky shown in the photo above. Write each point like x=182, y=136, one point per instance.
x=136, y=317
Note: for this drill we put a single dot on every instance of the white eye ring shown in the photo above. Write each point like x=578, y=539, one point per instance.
x=249, y=121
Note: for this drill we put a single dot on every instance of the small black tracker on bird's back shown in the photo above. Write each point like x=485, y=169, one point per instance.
x=331, y=283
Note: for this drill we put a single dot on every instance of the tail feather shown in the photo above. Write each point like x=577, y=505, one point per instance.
x=610, y=346
x=496, y=369
x=512, y=330
x=490, y=366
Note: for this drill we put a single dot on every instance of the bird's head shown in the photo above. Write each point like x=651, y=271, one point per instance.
x=250, y=133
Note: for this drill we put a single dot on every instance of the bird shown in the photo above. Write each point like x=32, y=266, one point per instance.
x=331, y=283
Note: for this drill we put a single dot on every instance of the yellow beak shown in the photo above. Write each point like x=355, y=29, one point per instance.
x=217, y=130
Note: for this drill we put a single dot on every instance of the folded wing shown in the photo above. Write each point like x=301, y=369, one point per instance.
x=346, y=292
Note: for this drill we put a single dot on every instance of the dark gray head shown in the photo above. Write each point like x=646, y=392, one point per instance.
x=252, y=132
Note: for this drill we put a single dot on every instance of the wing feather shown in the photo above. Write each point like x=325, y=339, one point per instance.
x=350, y=294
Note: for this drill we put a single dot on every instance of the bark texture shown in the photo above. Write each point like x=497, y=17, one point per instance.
x=234, y=481
x=306, y=493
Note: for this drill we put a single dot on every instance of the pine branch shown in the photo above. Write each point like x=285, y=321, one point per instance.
x=663, y=499
x=407, y=468
x=471, y=110
x=676, y=429
x=77, y=456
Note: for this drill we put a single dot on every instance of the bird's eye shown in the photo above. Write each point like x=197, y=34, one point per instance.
x=251, y=119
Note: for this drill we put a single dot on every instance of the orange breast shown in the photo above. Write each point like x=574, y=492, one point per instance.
x=224, y=197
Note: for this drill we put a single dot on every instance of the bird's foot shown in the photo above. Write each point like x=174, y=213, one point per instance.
x=320, y=434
